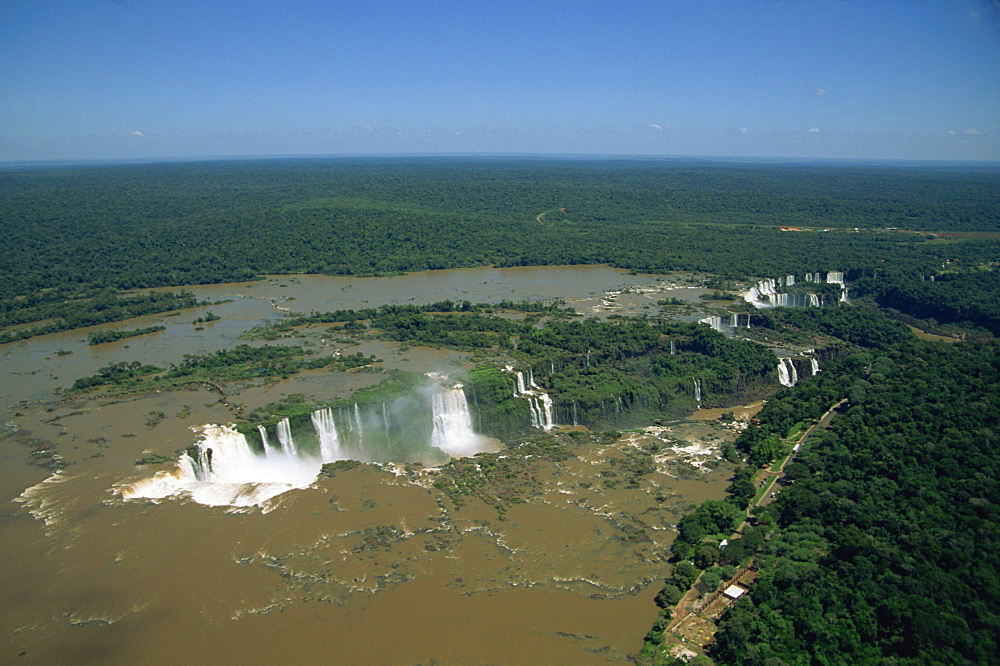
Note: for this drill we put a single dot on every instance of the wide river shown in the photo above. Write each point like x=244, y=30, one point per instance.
x=373, y=565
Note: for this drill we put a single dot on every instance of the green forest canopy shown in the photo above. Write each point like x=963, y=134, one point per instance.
x=73, y=231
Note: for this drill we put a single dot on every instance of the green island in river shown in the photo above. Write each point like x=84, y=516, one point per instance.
x=545, y=410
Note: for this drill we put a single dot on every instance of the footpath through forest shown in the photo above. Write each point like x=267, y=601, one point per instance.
x=694, y=619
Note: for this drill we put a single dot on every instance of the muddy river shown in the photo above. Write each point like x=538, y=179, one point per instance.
x=371, y=564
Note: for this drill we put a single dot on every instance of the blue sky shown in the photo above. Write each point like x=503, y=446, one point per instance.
x=109, y=79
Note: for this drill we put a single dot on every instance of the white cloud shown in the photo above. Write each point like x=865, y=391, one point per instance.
x=972, y=131
x=950, y=133
x=136, y=133
x=819, y=92
x=654, y=126
x=744, y=130
x=814, y=130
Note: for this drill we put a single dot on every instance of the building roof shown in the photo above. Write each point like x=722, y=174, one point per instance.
x=734, y=592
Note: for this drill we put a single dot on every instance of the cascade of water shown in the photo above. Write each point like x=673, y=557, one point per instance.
x=521, y=388
x=285, y=438
x=326, y=432
x=357, y=421
x=452, y=432
x=576, y=420
x=835, y=277
x=814, y=365
x=222, y=469
x=789, y=280
x=536, y=419
x=714, y=322
x=673, y=348
x=783, y=377
x=263, y=438
x=813, y=300
x=531, y=379
x=385, y=424
x=697, y=390
x=547, y=423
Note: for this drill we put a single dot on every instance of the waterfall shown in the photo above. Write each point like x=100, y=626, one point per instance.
x=263, y=438
x=326, y=431
x=541, y=411
x=814, y=300
x=576, y=419
x=539, y=402
x=285, y=437
x=814, y=365
x=789, y=280
x=835, y=277
x=453, y=431
x=385, y=424
x=673, y=348
x=357, y=421
x=714, y=321
x=787, y=376
x=221, y=469
x=697, y=390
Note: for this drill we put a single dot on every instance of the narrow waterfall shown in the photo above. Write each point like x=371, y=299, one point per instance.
x=453, y=431
x=263, y=438
x=285, y=437
x=326, y=432
x=789, y=280
x=673, y=348
x=357, y=420
x=814, y=365
x=539, y=402
x=697, y=390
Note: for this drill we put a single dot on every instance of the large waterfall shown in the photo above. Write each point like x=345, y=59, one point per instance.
x=453, y=432
x=225, y=467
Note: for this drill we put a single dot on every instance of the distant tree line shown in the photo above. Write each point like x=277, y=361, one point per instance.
x=72, y=234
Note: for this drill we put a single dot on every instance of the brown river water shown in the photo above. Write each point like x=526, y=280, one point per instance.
x=370, y=565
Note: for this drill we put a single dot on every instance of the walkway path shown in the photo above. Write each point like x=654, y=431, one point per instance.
x=692, y=619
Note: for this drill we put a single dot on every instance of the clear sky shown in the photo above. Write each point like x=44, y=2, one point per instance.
x=874, y=79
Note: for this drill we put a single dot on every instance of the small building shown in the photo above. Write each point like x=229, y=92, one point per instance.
x=734, y=592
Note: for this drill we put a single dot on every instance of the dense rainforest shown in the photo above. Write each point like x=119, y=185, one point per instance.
x=72, y=234
x=882, y=544
x=886, y=543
